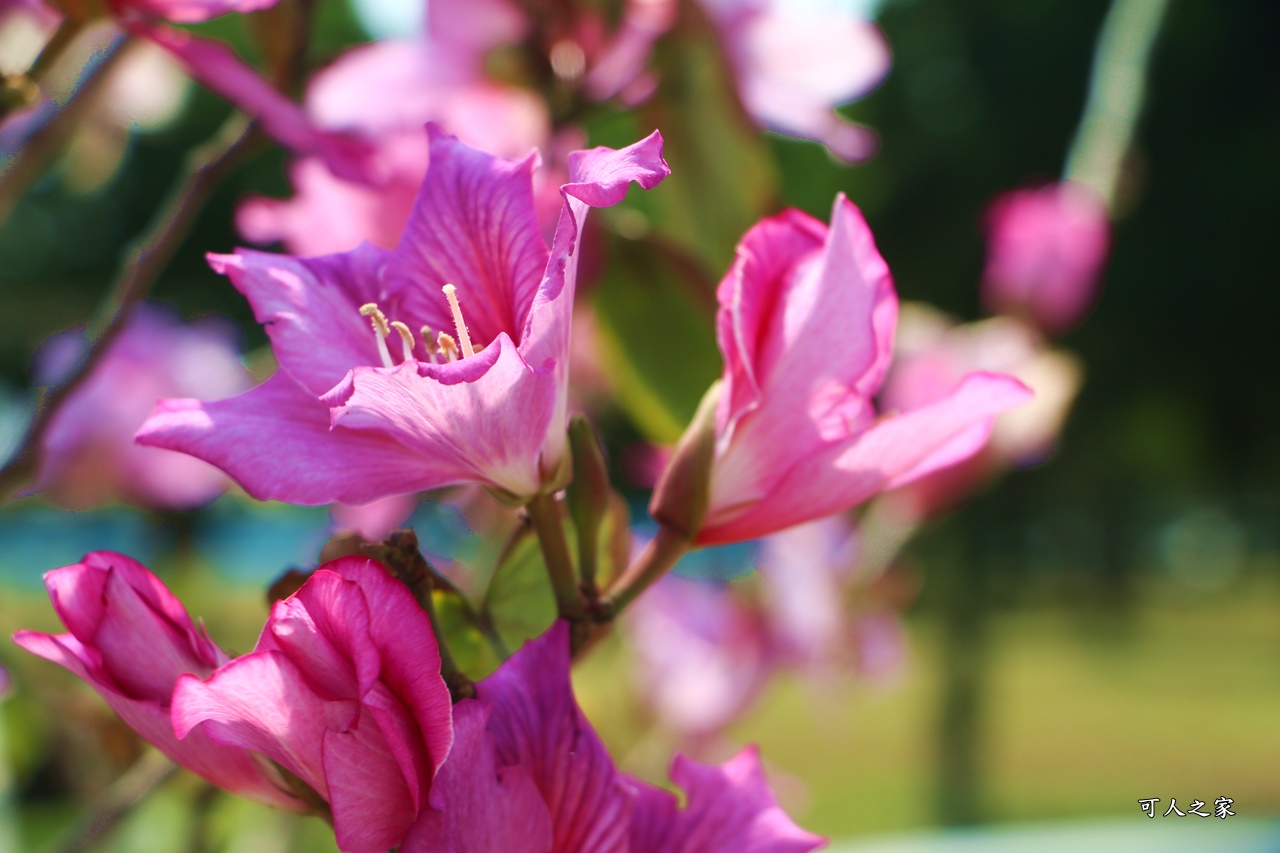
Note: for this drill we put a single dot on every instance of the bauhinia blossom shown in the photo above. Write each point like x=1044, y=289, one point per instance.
x=806, y=323
x=463, y=376
x=344, y=691
x=1045, y=251
x=131, y=640
x=538, y=736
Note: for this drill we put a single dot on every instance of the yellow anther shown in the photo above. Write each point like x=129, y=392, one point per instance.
x=429, y=342
x=406, y=338
x=376, y=317
x=448, y=347
x=451, y=293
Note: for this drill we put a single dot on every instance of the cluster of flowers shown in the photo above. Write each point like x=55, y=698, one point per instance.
x=437, y=353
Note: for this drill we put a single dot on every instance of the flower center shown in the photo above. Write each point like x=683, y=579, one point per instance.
x=443, y=348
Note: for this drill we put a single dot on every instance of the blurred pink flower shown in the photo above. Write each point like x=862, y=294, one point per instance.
x=934, y=354
x=795, y=66
x=806, y=325
x=341, y=420
x=374, y=520
x=88, y=454
x=344, y=691
x=1045, y=251
x=131, y=640
x=536, y=725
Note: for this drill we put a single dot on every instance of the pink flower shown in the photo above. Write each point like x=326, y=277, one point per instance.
x=344, y=691
x=344, y=419
x=131, y=640
x=806, y=328
x=1045, y=251
x=88, y=455
x=794, y=67
x=933, y=355
x=537, y=729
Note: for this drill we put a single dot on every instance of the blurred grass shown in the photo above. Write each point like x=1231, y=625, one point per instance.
x=1087, y=712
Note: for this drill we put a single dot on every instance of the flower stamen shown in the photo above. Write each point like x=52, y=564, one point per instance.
x=448, y=347
x=429, y=343
x=380, y=330
x=451, y=293
x=406, y=339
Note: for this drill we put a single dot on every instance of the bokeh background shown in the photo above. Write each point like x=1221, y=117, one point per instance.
x=1096, y=630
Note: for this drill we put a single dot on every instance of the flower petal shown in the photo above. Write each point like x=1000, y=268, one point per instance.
x=481, y=419
x=310, y=308
x=537, y=724
x=276, y=441
x=730, y=808
x=372, y=808
x=891, y=453
x=485, y=807
x=474, y=227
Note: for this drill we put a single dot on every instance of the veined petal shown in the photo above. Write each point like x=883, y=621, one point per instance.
x=310, y=308
x=485, y=808
x=730, y=809
x=263, y=702
x=473, y=226
x=276, y=441
x=481, y=419
x=537, y=724
x=372, y=807
x=893, y=452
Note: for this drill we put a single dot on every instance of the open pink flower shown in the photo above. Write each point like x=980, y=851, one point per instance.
x=88, y=454
x=806, y=324
x=1045, y=251
x=131, y=640
x=344, y=419
x=344, y=691
x=536, y=727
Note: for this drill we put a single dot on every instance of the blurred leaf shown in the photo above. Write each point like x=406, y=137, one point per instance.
x=471, y=652
x=658, y=344
x=519, y=598
x=722, y=177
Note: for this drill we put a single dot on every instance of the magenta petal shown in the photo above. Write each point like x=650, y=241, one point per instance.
x=730, y=809
x=481, y=419
x=195, y=11
x=372, y=808
x=276, y=441
x=484, y=807
x=473, y=227
x=263, y=702
x=310, y=308
x=537, y=724
x=322, y=628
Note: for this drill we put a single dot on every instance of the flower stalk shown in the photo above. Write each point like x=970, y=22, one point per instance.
x=657, y=558
x=545, y=515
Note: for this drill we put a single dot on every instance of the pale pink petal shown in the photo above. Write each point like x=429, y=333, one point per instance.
x=536, y=723
x=277, y=442
x=310, y=308
x=484, y=807
x=193, y=11
x=891, y=453
x=476, y=25
x=373, y=521
x=481, y=419
x=730, y=809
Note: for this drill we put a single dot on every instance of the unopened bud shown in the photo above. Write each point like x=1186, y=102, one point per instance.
x=683, y=493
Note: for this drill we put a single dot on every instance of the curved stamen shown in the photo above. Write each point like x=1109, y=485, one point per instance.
x=448, y=347
x=380, y=330
x=429, y=343
x=406, y=339
x=451, y=293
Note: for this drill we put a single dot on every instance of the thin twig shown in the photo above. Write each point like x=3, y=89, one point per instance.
x=206, y=166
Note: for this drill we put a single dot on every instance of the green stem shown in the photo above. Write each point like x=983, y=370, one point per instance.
x=545, y=515
x=206, y=167
x=658, y=558
x=1117, y=87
